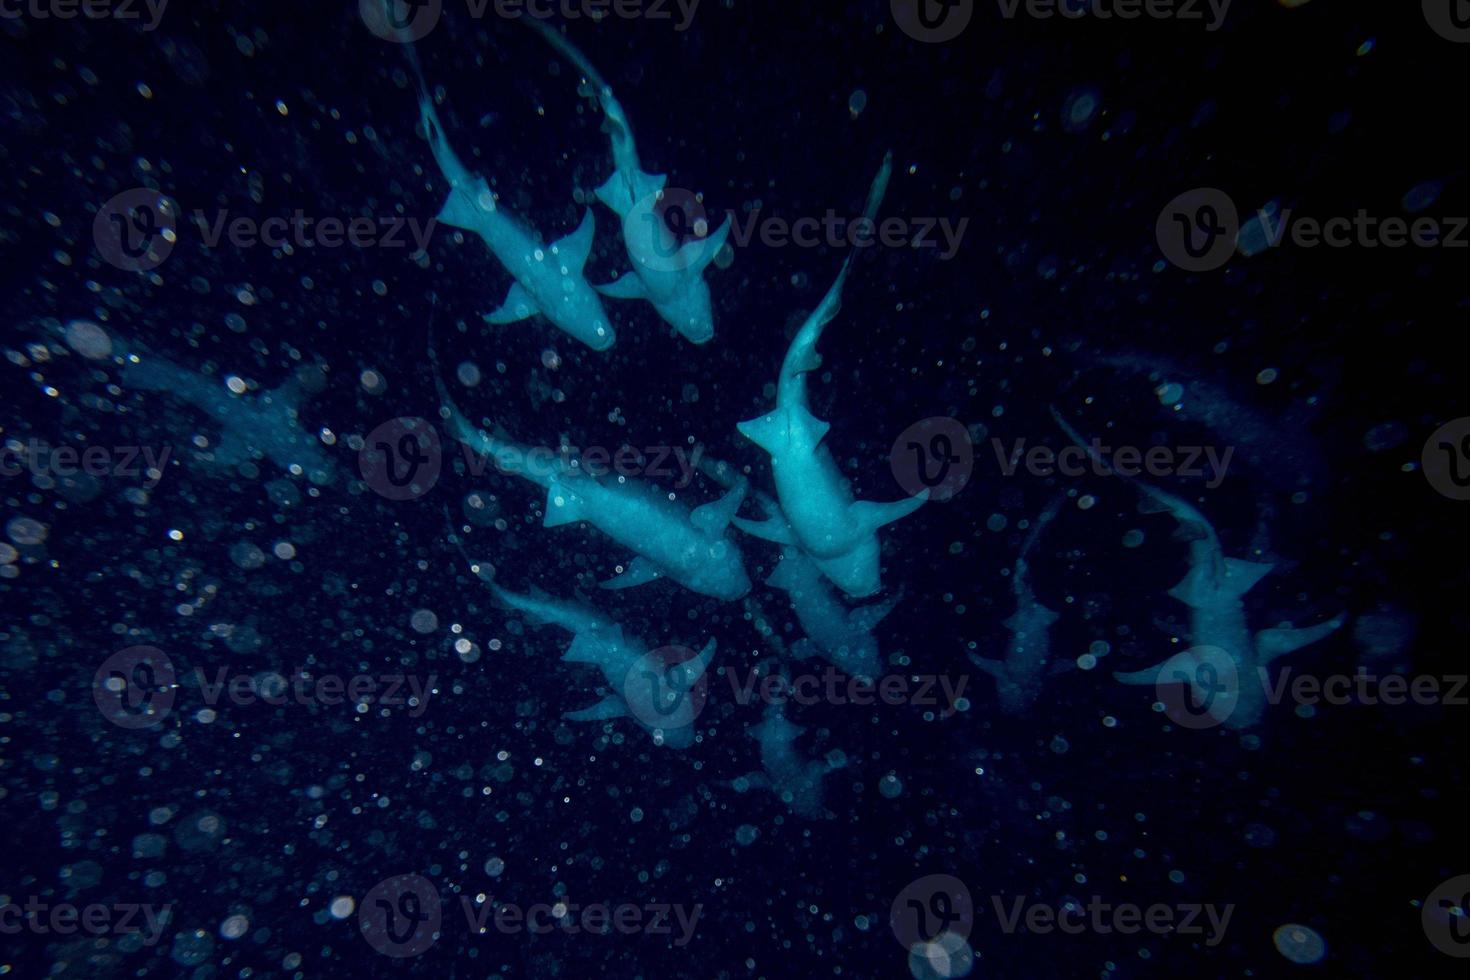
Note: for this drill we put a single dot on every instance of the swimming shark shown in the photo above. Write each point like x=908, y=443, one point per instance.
x=548, y=279
x=820, y=513
x=1226, y=665
x=668, y=275
x=691, y=547
x=794, y=780
x=652, y=688
x=251, y=426
x=1019, y=677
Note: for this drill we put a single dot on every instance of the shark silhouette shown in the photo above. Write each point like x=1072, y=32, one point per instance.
x=251, y=426
x=820, y=514
x=668, y=275
x=1019, y=677
x=691, y=547
x=1226, y=665
x=548, y=279
x=646, y=687
x=795, y=780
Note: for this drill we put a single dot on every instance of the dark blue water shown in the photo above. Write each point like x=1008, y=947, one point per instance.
x=261, y=717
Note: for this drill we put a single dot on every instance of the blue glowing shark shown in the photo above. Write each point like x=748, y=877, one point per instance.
x=820, y=513
x=655, y=688
x=668, y=275
x=1226, y=666
x=795, y=780
x=251, y=426
x=691, y=547
x=1019, y=677
x=548, y=279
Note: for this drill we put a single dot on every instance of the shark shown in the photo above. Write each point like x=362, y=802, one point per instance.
x=1019, y=677
x=841, y=636
x=670, y=276
x=795, y=780
x=548, y=280
x=265, y=425
x=821, y=516
x=647, y=688
x=1222, y=644
x=691, y=547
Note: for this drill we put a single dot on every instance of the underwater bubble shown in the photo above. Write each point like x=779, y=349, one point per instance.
x=149, y=846
x=1300, y=944
x=372, y=382
x=8, y=554
x=234, y=927
x=247, y=556
x=423, y=621
x=88, y=340
x=890, y=786
x=26, y=532
x=1267, y=376
x=1170, y=394
x=1423, y=196
x=1080, y=109
x=1385, y=436
x=342, y=907
x=192, y=948
x=996, y=522
x=1133, y=539
x=856, y=103
x=494, y=867
x=468, y=374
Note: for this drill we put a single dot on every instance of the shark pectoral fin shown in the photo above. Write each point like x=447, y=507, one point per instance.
x=787, y=575
x=804, y=649
x=465, y=207
x=1274, y=643
x=609, y=707
x=865, y=618
x=776, y=529
x=870, y=516
x=1139, y=678
x=695, y=255
x=628, y=286
x=714, y=517
x=615, y=193
x=574, y=248
x=1243, y=575
x=519, y=304
x=563, y=506
x=770, y=432
x=639, y=571
x=995, y=668
x=687, y=674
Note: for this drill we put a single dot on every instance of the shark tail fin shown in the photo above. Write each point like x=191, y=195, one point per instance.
x=870, y=515
x=802, y=357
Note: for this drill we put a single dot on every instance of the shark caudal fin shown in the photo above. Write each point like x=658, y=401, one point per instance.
x=802, y=356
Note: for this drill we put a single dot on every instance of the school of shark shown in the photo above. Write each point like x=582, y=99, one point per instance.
x=828, y=567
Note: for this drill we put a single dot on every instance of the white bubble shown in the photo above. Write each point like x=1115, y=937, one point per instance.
x=468, y=374
x=1300, y=944
x=234, y=927
x=372, y=382
x=284, y=550
x=342, y=907
x=25, y=531
x=494, y=867
x=424, y=621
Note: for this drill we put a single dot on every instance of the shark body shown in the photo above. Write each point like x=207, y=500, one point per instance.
x=251, y=426
x=691, y=547
x=645, y=687
x=821, y=516
x=841, y=636
x=1214, y=589
x=667, y=274
x=548, y=279
x=794, y=779
x=1020, y=676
